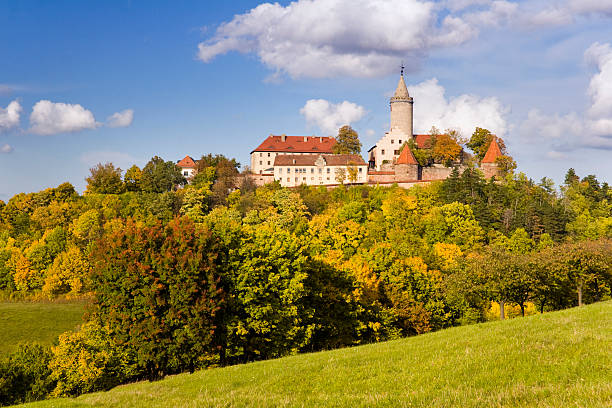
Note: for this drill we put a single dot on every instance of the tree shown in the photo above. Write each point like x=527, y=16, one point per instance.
x=352, y=172
x=105, y=179
x=132, y=178
x=159, y=176
x=347, y=141
x=480, y=141
x=446, y=149
x=157, y=290
x=340, y=175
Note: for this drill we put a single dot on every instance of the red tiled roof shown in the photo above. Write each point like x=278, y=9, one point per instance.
x=423, y=141
x=406, y=157
x=187, y=163
x=297, y=144
x=310, y=159
x=493, y=152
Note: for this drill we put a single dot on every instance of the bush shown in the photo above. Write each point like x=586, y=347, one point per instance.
x=25, y=375
x=86, y=361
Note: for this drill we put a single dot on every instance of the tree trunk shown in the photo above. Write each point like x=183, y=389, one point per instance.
x=522, y=309
x=580, y=294
x=502, y=314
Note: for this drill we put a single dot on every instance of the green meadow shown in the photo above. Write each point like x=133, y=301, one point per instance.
x=38, y=322
x=559, y=359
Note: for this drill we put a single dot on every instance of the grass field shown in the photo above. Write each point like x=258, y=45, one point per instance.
x=36, y=322
x=561, y=359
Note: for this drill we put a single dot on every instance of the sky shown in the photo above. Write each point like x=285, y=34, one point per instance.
x=123, y=81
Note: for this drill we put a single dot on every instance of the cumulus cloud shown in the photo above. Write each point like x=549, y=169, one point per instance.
x=594, y=128
x=49, y=118
x=330, y=117
x=329, y=38
x=464, y=112
x=120, y=119
x=9, y=116
x=5, y=149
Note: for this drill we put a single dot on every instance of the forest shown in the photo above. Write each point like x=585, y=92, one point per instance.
x=219, y=272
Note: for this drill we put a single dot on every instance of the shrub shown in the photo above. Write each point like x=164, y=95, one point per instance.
x=25, y=375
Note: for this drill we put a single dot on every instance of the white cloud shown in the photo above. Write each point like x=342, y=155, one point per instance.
x=119, y=159
x=555, y=155
x=464, y=112
x=499, y=12
x=120, y=119
x=594, y=129
x=370, y=132
x=330, y=117
x=9, y=116
x=591, y=6
x=6, y=148
x=49, y=118
x=600, y=87
x=328, y=38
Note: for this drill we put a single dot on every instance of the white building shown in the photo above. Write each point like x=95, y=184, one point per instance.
x=188, y=167
x=262, y=158
x=320, y=169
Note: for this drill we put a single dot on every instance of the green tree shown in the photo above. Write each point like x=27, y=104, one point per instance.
x=347, y=141
x=132, y=178
x=105, y=179
x=159, y=176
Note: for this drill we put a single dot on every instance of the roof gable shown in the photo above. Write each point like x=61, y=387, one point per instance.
x=493, y=152
x=187, y=163
x=297, y=144
x=406, y=157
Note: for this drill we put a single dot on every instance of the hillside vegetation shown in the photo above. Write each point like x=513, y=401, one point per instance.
x=36, y=322
x=559, y=359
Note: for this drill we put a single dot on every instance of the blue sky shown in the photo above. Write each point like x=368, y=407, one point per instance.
x=194, y=77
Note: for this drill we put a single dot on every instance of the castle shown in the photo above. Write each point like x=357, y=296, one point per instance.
x=296, y=160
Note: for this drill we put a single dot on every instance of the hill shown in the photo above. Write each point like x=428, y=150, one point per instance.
x=38, y=322
x=557, y=359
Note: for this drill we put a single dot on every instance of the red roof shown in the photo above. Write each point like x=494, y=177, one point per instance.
x=493, y=152
x=406, y=157
x=423, y=141
x=186, y=163
x=310, y=159
x=297, y=144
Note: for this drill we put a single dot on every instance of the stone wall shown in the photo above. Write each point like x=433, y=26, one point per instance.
x=489, y=170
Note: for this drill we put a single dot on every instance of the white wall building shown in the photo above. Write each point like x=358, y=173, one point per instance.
x=188, y=167
x=320, y=169
x=262, y=158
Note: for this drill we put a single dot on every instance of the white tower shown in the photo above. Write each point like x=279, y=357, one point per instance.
x=401, y=109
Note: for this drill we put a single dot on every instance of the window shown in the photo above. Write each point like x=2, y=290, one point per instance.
x=391, y=141
x=395, y=152
x=268, y=162
x=304, y=179
x=288, y=170
x=268, y=154
x=185, y=173
x=400, y=141
x=328, y=171
x=260, y=154
x=260, y=162
x=311, y=170
x=280, y=170
x=382, y=152
x=296, y=179
x=328, y=179
x=287, y=179
x=361, y=169
x=320, y=171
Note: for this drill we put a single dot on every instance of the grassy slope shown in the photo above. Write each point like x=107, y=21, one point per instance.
x=554, y=360
x=36, y=322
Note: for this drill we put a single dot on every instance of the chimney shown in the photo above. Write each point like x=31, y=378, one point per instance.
x=293, y=161
x=284, y=137
x=321, y=139
x=305, y=139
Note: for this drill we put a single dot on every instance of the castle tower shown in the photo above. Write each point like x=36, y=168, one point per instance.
x=401, y=109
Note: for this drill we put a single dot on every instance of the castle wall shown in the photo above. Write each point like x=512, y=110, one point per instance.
x=436, y=172
x=489, y=170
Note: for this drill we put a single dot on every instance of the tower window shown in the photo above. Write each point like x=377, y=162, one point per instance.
x=392, y=141
x=383, y=151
